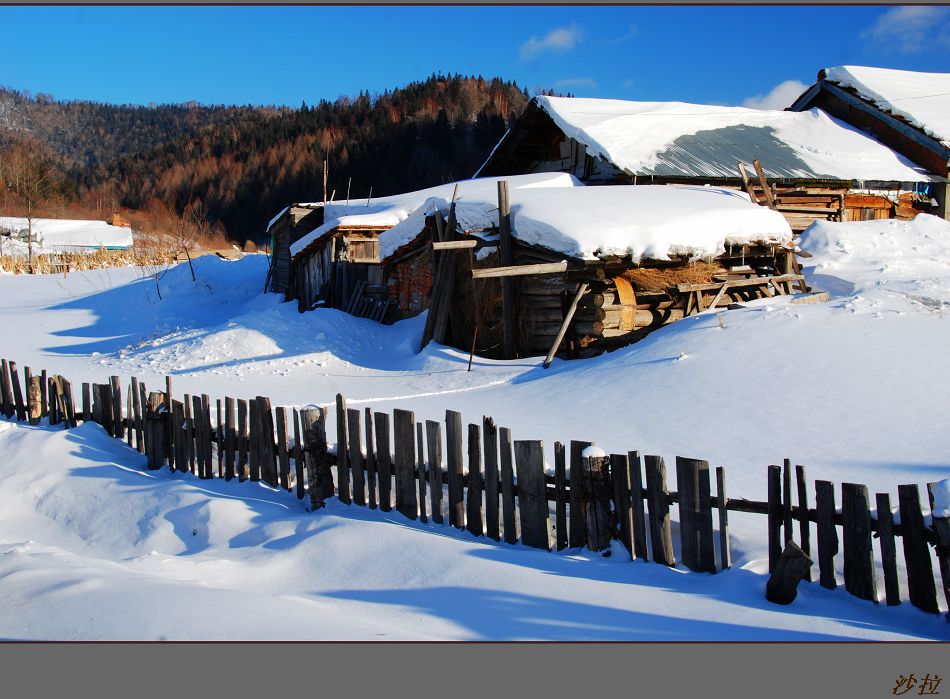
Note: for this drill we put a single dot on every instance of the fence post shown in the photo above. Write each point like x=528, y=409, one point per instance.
x=532, y=495
x=620, y=479
x=560, y=496
x=885, y=532
x=355, y=455
x=384, y=462
x=453, y=447
x=725, y=550
x=856, y=535
x=434, y=463
x=658, y=500
x=596, y=489
x=827, y=534
x=313, y=422
x=577, y=532
x=473, y=510
x=636, y=502
x=405, y=445
x=775, y=515
x=371, y=480
x=490, y=434
x=421, y=471
x=300, y=484
x=941, y=527
x=696, y=540
x=342, y=452
x=804, y=524
x=920, y=576
x=507, y=487
x=17, y=393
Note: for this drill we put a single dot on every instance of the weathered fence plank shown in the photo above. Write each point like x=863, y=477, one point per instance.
x=885, y=533
x=283, y=449
x=699, y=538
x=118, y=429
x=789, y=534
x=242, y=440
x=170, y=435
x=827, y=534
x=532, y=496
x=775, y=516
x=137, y=415
x=492, y=522
x=34, y=400
x=371, y=485
x=300, y=482
x=509, y=524
x=473, y=503
x=405, y=462
x=384, y=462
x=421, y=472
x=941, y=528
x=453, y=455
x=230, y=435
x=43, y=403
x=560, y=496
x=156, y=425
x=179, y=460
x=620, y=479
x=253, y=437
x=18, y=404
x=725, y=548
x=199, y=447
x=921, y=588
x=342, y=452
x=804, y=524
x=266, y=442
x=597, y=491
x=6, y=404
x=658, y=504
x=434, y=463
x=856, y=537
x=636, y=504
x=313, y=422
x=577, y=528
x=355, y=455
x=87, y=398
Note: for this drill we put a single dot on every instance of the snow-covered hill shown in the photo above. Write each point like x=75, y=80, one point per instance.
x=91, y=546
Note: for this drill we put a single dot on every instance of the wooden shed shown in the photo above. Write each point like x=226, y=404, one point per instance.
x=906, y=110
x=598, y=266
x=817, y=167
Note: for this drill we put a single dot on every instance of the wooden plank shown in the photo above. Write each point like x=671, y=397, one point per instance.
x=18, y=403
x=434, y=462
x=405, y=462
x=885, y=533
x=856, y=536
x=827, y=534
x=172, y=435
x=577, y=527
x=283, y=450
x=465, y=244
x=941, y=528
x=355, y=455
x=87, y=399
x=508, y=301
x=230, y=439
x=696, y=540
x=34, y=407
x=69, y=404
x=509, y=526
x=371, y=480
x=253, y=448
x=568, y=317
x=300, y=483
x=620, y=479
x=242, y=440
x=775, y=516
x=6, y=405
x=921, y=588
x=342, y=452
x=443, y=289
x=421, y=472
x=492, y=521
x=789, y=534
x=143, y=401
x=532, y=496
x=659, y=509
x=219, y=436
x=118, y=429
x=725, y=548
x=453, y=444
x=267, y=444
x=137, y=417
x=637, y=508
x=157, y=454
x=520, y=270
x=44, y=405
x=313, y=424
x=199, y=448
x=560, y=496
x=746, y=183
x=769, y=197
x=180, y=458
x=803, y=521
x=384, y=461
x=473, y=501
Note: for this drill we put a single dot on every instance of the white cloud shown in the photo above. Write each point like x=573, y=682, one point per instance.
x=779, y=97
x=911, y=28
x=555, y=41
x=623, y=39
x=588, y=83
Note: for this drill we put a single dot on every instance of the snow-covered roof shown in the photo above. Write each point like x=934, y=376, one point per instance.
x=392, y=210
x=922, y=99
x=644, y=222
x=694, y=140
x=65, y=233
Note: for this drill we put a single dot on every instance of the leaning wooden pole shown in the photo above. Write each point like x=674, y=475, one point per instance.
x=568, y=317
x=509, y=345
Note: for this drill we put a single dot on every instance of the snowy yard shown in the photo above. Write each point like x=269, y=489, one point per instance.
x=93, y=546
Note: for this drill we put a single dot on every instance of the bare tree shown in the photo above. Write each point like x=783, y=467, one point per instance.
x=190, y=227
x=30, y=179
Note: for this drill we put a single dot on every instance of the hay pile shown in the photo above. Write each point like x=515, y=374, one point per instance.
x=657, y=279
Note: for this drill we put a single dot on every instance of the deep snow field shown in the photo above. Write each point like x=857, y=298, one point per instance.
x=92, y=546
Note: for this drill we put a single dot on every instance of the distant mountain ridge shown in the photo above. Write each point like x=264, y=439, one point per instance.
x=243, y=163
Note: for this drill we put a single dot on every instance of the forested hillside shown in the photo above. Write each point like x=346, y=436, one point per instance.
x=242, y=164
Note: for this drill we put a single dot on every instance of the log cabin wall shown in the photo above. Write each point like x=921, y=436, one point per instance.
x=296, y=222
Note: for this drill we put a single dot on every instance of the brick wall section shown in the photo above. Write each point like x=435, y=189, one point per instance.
x=409, y=283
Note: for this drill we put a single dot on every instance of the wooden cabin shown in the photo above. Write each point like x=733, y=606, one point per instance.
x=507, y=290
x=815, y=167
x=328, y=254
x=908, y=111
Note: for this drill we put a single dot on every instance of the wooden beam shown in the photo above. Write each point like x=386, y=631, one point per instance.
x=747, y=183
x=581, y=290
x=520, y=270
x=765, y=184
x=455, y=244
x=509, y=340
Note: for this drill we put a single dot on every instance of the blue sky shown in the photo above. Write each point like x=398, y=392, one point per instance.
x=286, y=55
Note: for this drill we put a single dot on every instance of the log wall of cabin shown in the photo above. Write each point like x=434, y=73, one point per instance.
x=408, y=282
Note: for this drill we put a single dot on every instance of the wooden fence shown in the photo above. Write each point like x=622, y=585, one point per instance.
x=501, y=490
